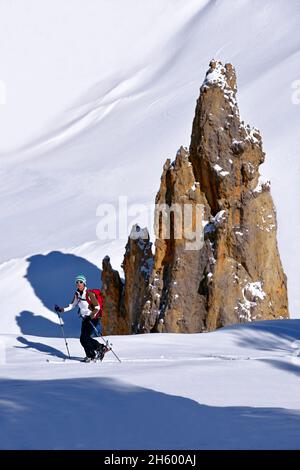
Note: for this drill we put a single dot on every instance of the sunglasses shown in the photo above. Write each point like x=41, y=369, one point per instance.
x=79, y=282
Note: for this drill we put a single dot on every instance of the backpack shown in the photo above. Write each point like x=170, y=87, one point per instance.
x=100, y=300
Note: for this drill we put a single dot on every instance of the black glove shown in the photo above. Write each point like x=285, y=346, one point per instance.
x=58, y=309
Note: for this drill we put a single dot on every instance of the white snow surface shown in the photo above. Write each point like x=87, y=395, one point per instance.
x=236, y=388
x=97, y=96
x=255, y=288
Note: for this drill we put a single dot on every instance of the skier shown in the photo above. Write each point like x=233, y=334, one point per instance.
x=88, y=310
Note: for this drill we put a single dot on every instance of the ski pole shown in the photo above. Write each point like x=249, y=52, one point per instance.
x=105, y=341
x=63, y=333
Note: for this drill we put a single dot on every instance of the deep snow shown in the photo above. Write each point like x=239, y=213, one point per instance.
x=97, y=98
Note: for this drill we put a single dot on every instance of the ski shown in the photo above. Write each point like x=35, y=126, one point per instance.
x=106, y=342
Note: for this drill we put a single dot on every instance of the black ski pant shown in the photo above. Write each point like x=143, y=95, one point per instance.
x=89, y=344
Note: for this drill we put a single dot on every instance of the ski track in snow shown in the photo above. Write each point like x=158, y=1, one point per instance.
x=95, y=122
x=184, y=359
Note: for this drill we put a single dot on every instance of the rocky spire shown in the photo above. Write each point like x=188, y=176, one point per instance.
x=224, y=152
x=236, y=276
x=175, y=302
x=124, y=300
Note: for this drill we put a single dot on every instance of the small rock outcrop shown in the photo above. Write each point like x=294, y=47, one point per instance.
x=236, y=276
